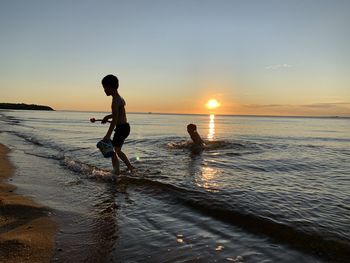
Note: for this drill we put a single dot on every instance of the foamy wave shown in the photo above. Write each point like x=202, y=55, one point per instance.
x=179, y=145
x=87, y=170
x=213, y=145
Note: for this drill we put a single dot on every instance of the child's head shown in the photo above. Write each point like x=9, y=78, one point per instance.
x=110, y=83
x=191, y=128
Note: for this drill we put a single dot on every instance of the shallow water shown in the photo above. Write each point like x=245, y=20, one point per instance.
x=265, y=189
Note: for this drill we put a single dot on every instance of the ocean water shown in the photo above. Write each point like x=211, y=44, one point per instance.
x=265, y=189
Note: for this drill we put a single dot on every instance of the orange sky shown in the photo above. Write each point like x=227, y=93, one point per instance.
x=172, y=58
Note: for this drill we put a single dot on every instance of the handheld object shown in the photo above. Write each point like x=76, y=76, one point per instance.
x=93, y=120
x=106, y=148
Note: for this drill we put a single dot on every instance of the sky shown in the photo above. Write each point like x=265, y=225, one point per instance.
x=263, y=57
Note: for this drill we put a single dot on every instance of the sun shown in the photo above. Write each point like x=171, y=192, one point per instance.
x=212, y=104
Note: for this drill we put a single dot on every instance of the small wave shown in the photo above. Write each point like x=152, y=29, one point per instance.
x=92, y=172
x=230, y=148
x=179, y=145
x=28, y=138
x=212, y=145
x=10, y=119
x=45, y=143
x=47, y=156
x=87, y=170
x=310, y=241
x=209, y=145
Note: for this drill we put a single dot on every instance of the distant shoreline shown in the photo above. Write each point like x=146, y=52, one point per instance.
x=23, y=106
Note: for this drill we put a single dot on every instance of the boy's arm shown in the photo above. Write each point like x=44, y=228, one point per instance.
x=106, y=118
x=114, y=115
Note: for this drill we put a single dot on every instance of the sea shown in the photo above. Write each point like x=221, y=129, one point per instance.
x=264, y=189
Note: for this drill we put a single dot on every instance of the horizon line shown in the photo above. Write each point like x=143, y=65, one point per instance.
x=221, y=114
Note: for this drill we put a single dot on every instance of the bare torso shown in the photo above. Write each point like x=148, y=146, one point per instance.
x=118, y=104
x=196, y=139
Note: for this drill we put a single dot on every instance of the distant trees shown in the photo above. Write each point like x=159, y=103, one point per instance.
x=22, y=106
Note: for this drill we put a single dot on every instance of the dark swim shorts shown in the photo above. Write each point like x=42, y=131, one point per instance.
x=122, y=131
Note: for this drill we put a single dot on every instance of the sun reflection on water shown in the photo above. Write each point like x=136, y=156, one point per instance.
x=208, y=179
x=211, y=132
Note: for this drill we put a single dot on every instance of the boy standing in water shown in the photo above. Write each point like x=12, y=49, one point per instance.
x=110, y=85
x=198, y=143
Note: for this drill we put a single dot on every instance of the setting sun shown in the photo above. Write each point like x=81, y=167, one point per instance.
x=212, y=104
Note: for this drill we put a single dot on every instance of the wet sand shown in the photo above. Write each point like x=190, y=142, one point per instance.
x=26, y=231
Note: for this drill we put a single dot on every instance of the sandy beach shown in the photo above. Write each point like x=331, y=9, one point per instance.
x=26, y=232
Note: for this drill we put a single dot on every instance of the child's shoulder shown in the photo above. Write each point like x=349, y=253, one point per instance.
x=119, y=101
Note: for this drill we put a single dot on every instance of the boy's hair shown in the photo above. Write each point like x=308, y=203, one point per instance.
x=110, y=80
x=191, y=127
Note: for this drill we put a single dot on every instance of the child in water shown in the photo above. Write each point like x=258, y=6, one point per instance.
x=119, y=122
x=198, y=143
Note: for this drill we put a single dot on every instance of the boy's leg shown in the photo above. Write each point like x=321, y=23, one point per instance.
x=115, y=163
x=124, y=158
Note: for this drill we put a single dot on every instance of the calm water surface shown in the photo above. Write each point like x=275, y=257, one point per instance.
x=265, y=189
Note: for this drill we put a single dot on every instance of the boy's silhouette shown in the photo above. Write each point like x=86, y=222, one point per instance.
x=110, y=84
x=198, y=143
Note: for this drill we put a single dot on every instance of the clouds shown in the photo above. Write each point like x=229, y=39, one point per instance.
x=313, y=109
x=327, y=105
